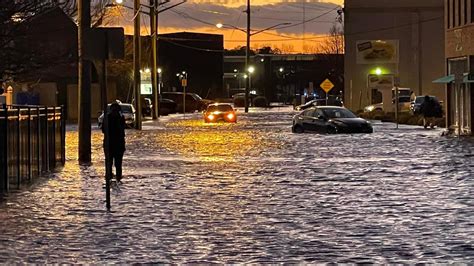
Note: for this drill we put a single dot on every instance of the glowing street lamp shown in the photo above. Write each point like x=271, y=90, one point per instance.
x=378, y=71
x=251, y=69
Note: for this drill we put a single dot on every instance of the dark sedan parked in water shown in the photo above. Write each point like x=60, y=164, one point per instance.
x=330, y=120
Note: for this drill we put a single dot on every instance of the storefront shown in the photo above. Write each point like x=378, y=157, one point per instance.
x=460, y=98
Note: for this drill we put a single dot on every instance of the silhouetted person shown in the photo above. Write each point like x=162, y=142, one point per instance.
x=116, y=139
x=429, y=112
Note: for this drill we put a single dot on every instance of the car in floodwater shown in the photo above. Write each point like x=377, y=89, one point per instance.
x=330, y=120
x=220, y=112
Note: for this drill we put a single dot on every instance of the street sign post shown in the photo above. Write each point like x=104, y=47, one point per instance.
x=396, y=84
x=327, y=86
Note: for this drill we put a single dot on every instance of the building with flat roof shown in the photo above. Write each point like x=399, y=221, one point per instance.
x=391, y=43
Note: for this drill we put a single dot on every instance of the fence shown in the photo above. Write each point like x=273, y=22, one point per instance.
x=32, y=142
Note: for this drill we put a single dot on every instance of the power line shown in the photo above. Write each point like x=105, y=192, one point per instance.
x=191, y=47
x=308, y=20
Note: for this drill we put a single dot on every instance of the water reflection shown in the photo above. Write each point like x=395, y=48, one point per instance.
x=253, y=192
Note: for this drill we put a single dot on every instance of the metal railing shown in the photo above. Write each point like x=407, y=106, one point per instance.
x=32, y=142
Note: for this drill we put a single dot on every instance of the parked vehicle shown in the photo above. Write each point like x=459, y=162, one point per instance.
x=167, y=106
x=147, y=107
x=128, y=112
x=193, y=101
x=330, y=120
x=416, y=104
x=331, y=101
x=403, y=105
x=220, y=112
x=312, y=103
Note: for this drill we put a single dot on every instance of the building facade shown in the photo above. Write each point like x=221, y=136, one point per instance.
x=390, y=43
x=459, y=27
x=200, y=55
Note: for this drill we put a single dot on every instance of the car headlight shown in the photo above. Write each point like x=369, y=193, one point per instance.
x=370, y=108
x=230, y=116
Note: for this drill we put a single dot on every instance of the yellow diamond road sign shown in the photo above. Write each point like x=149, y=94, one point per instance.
x=327, y=85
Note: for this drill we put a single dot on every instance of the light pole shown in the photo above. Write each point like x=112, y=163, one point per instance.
x=183, y=78
x=248, y=33
x=136, y=64
x=250, y=71
x=158, y=107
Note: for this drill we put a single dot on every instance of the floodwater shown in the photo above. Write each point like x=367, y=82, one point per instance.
x=253, y=192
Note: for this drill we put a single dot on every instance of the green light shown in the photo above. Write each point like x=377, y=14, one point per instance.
x=378, y=71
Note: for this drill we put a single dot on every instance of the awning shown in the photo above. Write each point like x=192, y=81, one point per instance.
x=450, y=78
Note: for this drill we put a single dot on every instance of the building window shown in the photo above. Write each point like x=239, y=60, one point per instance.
x=452, y=13
x=472, y=11
x=448, y=13
x=465, y=12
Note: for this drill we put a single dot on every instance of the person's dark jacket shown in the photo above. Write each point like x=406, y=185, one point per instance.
x=431, y=108
x=116, y=126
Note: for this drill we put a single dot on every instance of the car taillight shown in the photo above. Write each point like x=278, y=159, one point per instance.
x=211, y=117
x=230, y=116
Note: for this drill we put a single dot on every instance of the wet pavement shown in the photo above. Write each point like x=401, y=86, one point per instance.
x=253, y=192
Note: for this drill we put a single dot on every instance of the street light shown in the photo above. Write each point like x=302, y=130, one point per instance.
x=250, y=70
x=247, y=48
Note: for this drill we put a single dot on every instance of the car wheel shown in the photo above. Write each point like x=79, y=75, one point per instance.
x=331, y=130
x=297, y=129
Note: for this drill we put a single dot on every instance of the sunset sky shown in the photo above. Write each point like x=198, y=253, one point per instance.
x=203, y=15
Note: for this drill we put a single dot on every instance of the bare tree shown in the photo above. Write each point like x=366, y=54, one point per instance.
x=332, y=51
x=334, y=41
x=20, y=51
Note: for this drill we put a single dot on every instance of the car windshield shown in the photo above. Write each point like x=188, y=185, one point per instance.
x=196, y=96
x=338, y=113
x=403, y=99
x=219, y=108
x=126, y=108
x=421, y=99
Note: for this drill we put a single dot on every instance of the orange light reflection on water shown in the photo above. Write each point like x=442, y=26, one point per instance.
x=209, y=142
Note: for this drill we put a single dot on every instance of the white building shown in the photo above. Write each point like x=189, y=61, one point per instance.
x=386, y=39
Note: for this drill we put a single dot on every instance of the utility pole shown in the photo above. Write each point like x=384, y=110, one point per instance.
x=247, y=59
x=136, y=63
x=84, y=83
x=154, y=36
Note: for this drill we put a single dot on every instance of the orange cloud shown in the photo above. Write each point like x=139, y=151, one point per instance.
x=200, y=15
x=238, y=3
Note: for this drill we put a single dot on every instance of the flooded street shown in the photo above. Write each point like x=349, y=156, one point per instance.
x=253, y=192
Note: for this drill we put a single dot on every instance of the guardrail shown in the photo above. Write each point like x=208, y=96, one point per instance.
x=32, y=142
